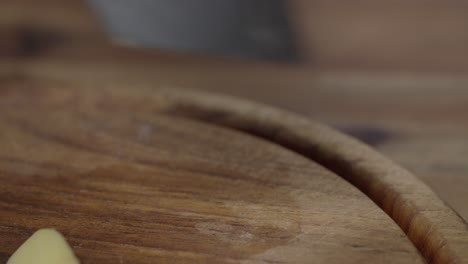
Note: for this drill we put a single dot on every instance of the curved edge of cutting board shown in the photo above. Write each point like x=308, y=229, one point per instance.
x=435, y=229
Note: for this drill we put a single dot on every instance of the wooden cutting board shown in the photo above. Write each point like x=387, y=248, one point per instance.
x=144, y=175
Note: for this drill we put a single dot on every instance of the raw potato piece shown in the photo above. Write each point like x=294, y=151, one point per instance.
x=46, y=246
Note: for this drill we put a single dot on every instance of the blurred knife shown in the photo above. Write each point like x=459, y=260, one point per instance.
x=246, y=28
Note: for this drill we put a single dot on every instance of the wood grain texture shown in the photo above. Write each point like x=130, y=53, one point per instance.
x=429, y=223
x=129, y=178
x=385, y=109
x=418, y=120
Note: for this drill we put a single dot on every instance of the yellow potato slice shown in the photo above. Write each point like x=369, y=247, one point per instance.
x=46, y=246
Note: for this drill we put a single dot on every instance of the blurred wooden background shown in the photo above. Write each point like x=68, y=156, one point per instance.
x=399, y=35
x=392, y=73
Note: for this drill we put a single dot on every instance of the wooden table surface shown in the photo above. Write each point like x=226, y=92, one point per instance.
x=417, y=117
